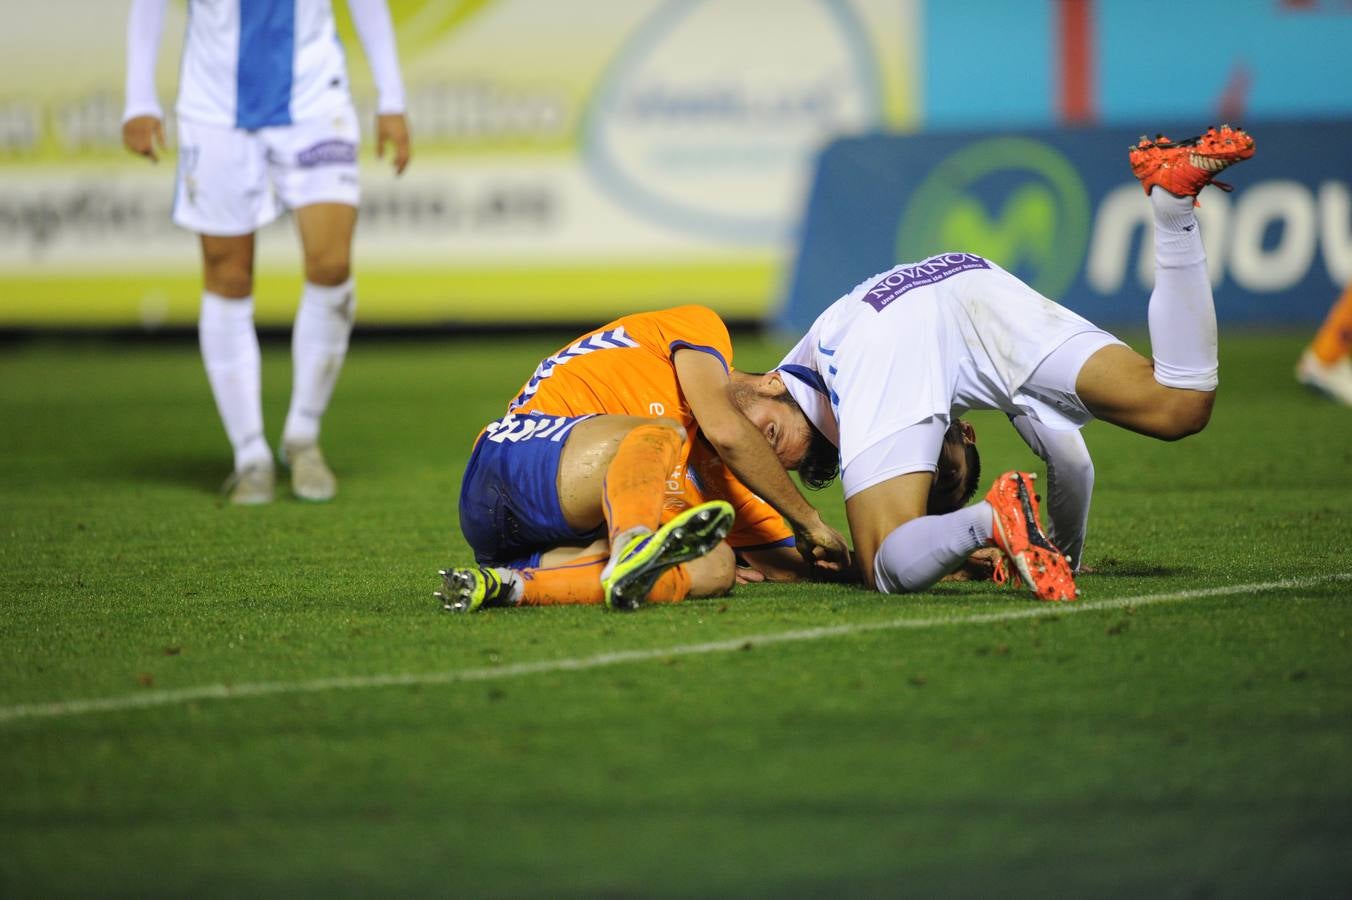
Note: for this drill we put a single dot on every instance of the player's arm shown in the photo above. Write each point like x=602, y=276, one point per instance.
x=376, y=32
x=785, y=564
x=1070, y=483
x=142, y=117
x=704, y=381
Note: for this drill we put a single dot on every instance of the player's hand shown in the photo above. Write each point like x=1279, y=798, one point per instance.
x=980, y=566
x=393, y=129
x=749, y=575
x=141, y=135
x=821, y=545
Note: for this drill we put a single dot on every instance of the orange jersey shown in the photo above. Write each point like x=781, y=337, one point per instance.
x=626, y=367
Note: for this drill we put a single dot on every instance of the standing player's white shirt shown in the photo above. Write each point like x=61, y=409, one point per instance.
x=254, y=64
x=934, y=338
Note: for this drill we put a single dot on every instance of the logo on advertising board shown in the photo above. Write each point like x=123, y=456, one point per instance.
x=1060, y=209
x=704, y=125
x=1014, y=200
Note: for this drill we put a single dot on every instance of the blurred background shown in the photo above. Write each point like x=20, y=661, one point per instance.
x=577, y=160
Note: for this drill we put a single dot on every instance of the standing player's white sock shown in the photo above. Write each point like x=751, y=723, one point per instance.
x=225, y=332
x=921, y=551
x=1182, y=312
x=318, y=348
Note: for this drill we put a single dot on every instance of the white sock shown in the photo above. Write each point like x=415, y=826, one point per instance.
x=622, y=541
x=225, y=332
x=511, y=579
x=318, y=348
x=923, y=550
x=1182, y=312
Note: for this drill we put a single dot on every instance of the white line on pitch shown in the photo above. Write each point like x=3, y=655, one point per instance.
x=265, y=688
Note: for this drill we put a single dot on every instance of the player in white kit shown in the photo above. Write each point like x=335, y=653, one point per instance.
x=266, y=124
x=886, y=369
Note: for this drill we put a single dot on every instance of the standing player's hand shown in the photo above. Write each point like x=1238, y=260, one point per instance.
x=821, y=545
x=393, y=128
x=141, y=135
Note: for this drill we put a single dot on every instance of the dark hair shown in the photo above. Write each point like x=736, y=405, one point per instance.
x=821, y=463
x=973, y=473
x=941, y=492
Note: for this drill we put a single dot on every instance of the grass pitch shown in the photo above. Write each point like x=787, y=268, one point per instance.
x=202, y=700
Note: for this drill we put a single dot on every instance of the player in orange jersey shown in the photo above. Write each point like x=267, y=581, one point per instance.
x=570, y=487
x=1326, y=365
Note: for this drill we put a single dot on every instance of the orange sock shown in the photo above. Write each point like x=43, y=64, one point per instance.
x=1334, y=339
x=579, y=583
x=635, y=482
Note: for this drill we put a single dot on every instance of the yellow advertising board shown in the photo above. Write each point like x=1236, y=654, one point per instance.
x=572, y=160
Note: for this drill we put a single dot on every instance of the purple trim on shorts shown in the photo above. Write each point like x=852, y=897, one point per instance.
x=332, y=152
x=929, y=271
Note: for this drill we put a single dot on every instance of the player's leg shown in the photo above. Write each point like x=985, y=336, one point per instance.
x=711, y=575
x=1119, y=385
x=314, y=170
x=572, y=578
x=1325, y=365
x=887, y=494
x=539, y=482
x=220, y=195
x=901, y=549
x=633, y=458
x=230, y=354
x=613, y=471
x=1171, y=396
x=319, y=342
x=532, y=482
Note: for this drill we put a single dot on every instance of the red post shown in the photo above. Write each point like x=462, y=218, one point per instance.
x=1075, y=42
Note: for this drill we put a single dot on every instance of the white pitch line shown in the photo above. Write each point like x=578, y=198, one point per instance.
x=152, y=698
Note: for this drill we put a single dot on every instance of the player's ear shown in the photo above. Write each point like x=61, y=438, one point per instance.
x=968, y=432
x=774, y=383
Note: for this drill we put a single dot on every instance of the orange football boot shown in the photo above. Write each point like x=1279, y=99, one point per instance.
x=1185, y=167
x=1017, y=533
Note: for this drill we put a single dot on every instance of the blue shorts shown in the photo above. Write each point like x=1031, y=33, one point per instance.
x=509, y=500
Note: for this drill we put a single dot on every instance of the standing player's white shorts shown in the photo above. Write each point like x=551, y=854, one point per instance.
x=233, y=182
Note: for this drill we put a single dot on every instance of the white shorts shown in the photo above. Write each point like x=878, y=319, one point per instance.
x=1048, y=395
x=233, y=182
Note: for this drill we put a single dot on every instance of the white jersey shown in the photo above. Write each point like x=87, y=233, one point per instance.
x=935, y=338
x=253, y=64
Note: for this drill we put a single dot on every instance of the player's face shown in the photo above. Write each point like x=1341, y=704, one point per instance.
x=950, y=481
x=784, y=426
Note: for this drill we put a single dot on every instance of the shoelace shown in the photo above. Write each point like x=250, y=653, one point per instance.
x=1000, y=574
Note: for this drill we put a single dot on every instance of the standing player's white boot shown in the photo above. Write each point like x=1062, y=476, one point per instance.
x=311, y=477
x=252, y=485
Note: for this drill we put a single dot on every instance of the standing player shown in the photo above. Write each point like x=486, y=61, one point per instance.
x=565, y=499
x=266, y=123
x=1326, y=365
x=884, y=369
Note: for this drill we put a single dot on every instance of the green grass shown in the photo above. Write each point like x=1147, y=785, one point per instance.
x=1196, y=747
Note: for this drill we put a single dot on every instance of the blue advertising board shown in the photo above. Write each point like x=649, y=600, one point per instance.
x=1061, y=210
